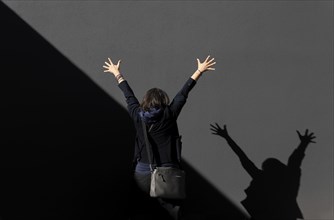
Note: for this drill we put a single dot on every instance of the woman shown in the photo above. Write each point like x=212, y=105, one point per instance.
x=160, y=116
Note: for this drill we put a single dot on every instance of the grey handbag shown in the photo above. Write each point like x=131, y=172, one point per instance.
x=166, y=182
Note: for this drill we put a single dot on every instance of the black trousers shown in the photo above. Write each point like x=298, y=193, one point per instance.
x=145, y=207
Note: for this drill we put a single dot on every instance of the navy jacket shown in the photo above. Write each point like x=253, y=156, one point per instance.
x=164, y=133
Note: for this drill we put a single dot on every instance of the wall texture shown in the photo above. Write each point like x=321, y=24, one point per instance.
x=274, y=75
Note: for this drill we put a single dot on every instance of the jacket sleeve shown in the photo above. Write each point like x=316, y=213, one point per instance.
x=131, y=100
x=181, y=97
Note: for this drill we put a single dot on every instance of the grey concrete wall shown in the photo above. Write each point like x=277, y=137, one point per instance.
x=274, y=75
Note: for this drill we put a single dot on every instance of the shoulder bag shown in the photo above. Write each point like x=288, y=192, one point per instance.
x=166, y=182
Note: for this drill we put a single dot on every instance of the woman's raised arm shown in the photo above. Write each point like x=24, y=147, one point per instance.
x=131, y=100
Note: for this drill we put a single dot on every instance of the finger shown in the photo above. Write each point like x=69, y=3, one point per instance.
x=110, y=60
x=106, y=71
x=106, y=67
x=211, y=64
x=211, y=60
x=218, y=126
x=118, y=63
x=108, y=64
x=198, y=62
x=298, y=133
x=210, y=68
x=306, y=132
x=225, y=127
x=206, y=60
x=213, y=127
x=312, y=141
x=310, y=135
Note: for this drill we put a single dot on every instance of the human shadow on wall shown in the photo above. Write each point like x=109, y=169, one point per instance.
x=66, y=146
x=272, y=193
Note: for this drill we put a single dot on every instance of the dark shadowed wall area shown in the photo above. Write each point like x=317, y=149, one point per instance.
x=60, y=134
x=66, y=144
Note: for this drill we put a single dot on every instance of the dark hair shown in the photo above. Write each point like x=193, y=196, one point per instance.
x=154, y=98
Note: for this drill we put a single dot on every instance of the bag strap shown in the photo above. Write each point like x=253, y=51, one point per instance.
x=179, y=150
x=148, y=145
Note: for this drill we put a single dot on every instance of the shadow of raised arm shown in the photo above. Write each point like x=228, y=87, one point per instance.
x=297, y=156
x=247, y=164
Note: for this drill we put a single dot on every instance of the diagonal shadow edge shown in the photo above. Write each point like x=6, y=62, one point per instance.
x=205, y=200
x=62, y=133
x=63, y=137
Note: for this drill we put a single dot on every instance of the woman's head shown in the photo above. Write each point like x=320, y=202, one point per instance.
x=154, y=98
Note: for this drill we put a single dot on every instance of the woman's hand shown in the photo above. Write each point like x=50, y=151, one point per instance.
x=217, y=130
x=112, y=68
x=202, y=67
x=206, y=65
